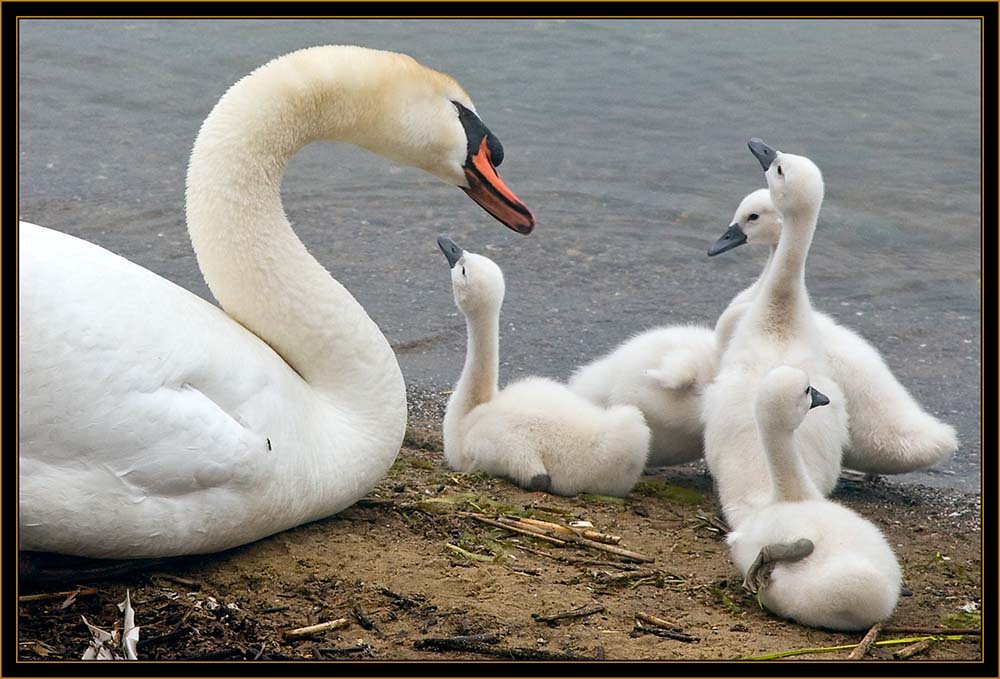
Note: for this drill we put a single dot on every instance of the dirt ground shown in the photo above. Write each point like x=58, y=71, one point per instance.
x=408, y=566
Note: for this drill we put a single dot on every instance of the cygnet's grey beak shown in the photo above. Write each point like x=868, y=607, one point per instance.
x=818, y=398
x=764, y=154
x=451, y=251
x=733, y=237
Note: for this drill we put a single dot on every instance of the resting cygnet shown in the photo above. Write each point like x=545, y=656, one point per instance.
x=809, y=559
x=535, y=432
x=663, y=372
x=889, y=432
x=776, y=329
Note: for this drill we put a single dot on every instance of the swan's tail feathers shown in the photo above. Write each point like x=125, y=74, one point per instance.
x=919, y=443
x=679, y=369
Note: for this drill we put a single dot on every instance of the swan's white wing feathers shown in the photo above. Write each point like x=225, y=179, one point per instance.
x=187, y=403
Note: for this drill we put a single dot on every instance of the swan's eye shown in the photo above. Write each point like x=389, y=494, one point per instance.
x=753, y=216
x=463, y=270
x=808, y=389
x=779, y=171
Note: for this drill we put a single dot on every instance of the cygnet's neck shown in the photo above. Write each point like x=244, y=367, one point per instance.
x=789, y=480
x=254, y=264
x=478, y=383
x=781, y=289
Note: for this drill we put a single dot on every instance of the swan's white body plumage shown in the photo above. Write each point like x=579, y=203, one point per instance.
x=851, y=580
x=777, y=329
x=537, y=426
x=889, y=432
x=534, y=427
x=662, y=372
x=153, y=423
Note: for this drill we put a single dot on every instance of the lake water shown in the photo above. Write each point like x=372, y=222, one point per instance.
x=627, y=139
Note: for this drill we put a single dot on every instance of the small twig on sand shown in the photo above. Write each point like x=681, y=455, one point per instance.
x=363, y=649
x=223, y=654
x=656, y=622
x=862, y=649
x=146, y=643
x=359, y=614
x=662, y=628
x=535, y=531
x=579, y=612
x=513, y=529
x=847, y=647
x=929, y=630
x=300, y=632
x=83, y=591
x=403, y=601
x=570, y=530
x=576, y=560
x=713, y=523
x=914, y=649
x=455, y=643
x=275, y=609
x=187, y=582
x=482, y=644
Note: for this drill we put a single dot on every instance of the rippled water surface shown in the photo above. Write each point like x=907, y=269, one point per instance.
x=628, y=140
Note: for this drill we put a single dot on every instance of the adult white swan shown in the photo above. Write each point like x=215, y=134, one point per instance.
x=152, y=423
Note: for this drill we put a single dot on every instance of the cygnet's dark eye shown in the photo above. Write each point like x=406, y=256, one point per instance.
x=779, y=171
x=808, y=389
x=463, y=270
x=753, y=216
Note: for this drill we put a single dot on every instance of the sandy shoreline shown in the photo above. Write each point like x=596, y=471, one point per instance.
x=408, y=564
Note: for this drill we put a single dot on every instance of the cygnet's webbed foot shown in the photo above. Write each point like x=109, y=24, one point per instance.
x=760, y=570
x=540, y=482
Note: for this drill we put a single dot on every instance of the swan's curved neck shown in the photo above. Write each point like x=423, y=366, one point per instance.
x=253, y=262
x=478, y=382
x=781, y=288
x=789, y=480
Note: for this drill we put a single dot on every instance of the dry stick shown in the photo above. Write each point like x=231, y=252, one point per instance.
x=663, y=628
x=653, y=620
x=929, y=630
x=443, y=643
x=862, y=649
x=514, y=529
x=667, y=633
x=145, y=643
x=24, y=598
x=187, y=582
x=570, y=530
x=275, y=609
x=913, y=649
x=467, y=645
x=579, y=612
x=577, y=540
x=359, y=614
x=577, y=560
x=316, y=629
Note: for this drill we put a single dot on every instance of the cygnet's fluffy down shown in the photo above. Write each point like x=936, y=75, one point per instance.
x=535, y=432
x=850, y=581
x=536, y=427
x=889, y=432
x=663, y=373
x=809, y=559
x=777, y=329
